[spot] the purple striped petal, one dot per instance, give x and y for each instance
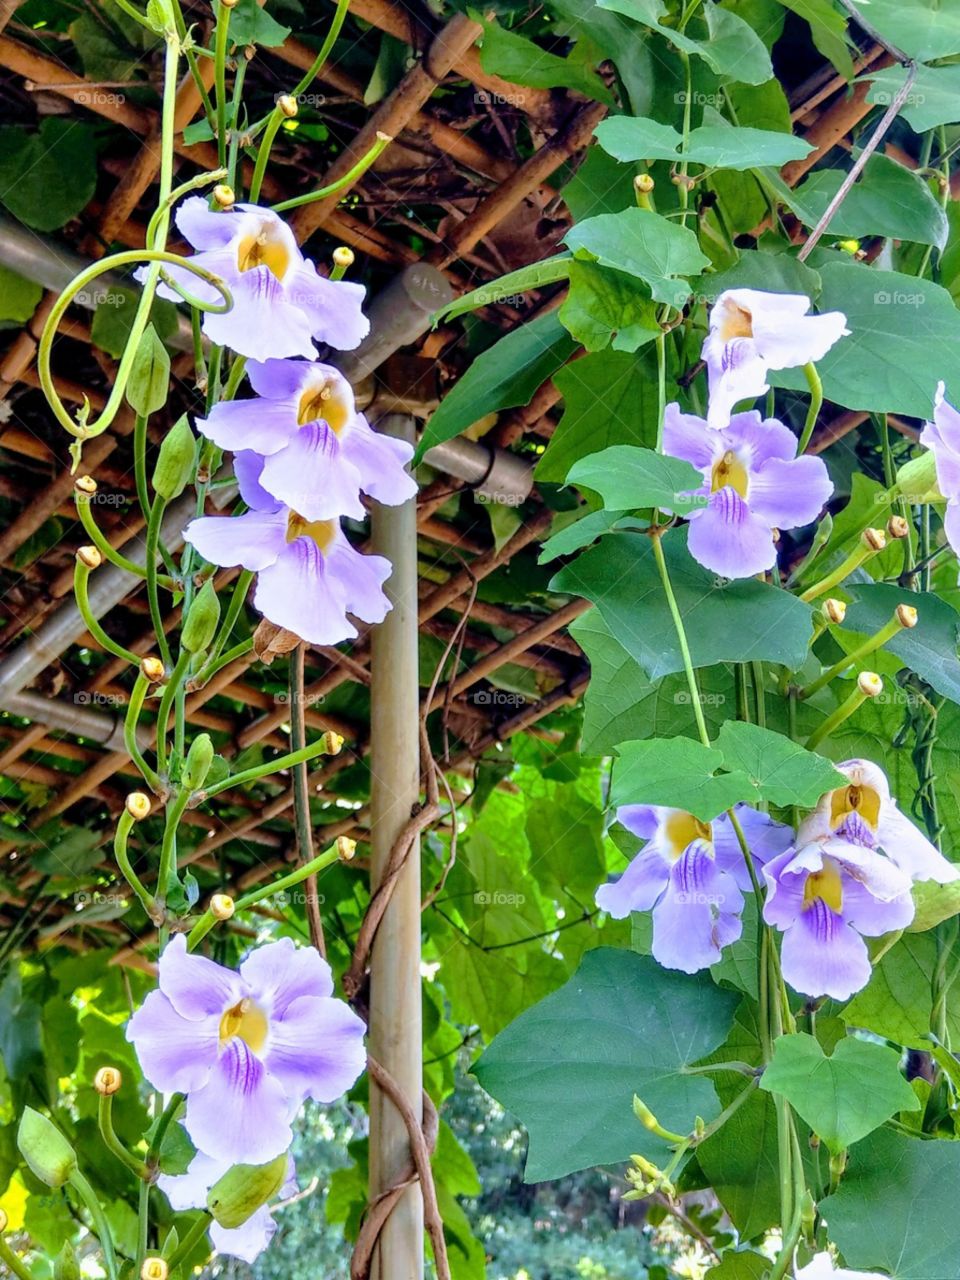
(788, 495)
(823, 956)
(298, 592)
(687, 933)
(281, 972)
(253, 540)
(263, 323)
(176, 1054)
(242, 1113)
(316, 1049)
(313, 475)
(638, 889)
(729, 540)
(261, 425)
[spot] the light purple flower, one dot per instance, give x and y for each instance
(280, 301)
(247, 1047)
(189, 1191)
(866, 814)
(826, 897)
(320, 452)
(752, 331)
(691, 874)
(753, 483)
(823, 1267)
(309, 577)
(942, 437)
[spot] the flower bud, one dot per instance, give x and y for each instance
(898, 527)
(875, 539)
(156, 1268)
(222, 906)
(332, 743)
(643, 183)
(176, 460)
(151, 668)
(65, 1265)
(224, 197)
(107, 1081)
(89, 557)
(906, 615)
(137, 804)
(229, 4)
(85, 486)
(834, 611)
(243, 1189)
(202, 620)
(48, 1154)
(849, 246)
(343, 257)
(869, 684)
(198, 762)
(346, 848)
(287, 105)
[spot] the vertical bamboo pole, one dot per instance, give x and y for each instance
(395, 997)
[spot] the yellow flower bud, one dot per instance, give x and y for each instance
(898, 527)
(85, 485)
(287, 105)
(222, 906)
(156, 1268)
(643, 183)
(89, 557)
(343, 257)
(906, 615)
(224, 196)
(137, 804)
(346, 848)
(870, 684)
(834, 611)
(875, 539)
(332, 743)
(151, 668)
(107, 1081)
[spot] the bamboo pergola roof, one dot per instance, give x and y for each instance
(470, 187)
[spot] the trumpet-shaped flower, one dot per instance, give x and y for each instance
(753, 483)
(189, 1191)
(320, 452)
(247, 1047)
(942, 437)
(691, 874)
(280, 302)
(309, 577)
(866, 814)
(822, 1267)
(826, 897)
(752, 331)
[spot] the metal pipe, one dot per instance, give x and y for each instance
(396, 1039)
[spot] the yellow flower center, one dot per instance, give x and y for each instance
(264, 248)
(729, 472)
(322, 532)
(736, 322)
(324, 402)
(246, 1020)
(682, 829)
(826, 885)
(855, 799)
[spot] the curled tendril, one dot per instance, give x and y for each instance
(81, 429)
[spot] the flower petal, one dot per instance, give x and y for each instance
(253, 540)
(638, 888)
(910, 849)
(195, 986)
(641, 819)
(765, 839)
(312, 475)
(380, 460)
(248, 467)
(823, 956)
(362, 577)
(735, 372)
(316, 1049)
(687, 932)
(189, 1190)
(263, 425)
(765, 438)
(788, 344)
(204, 227)
(176, 1054)
(242, 1113)
(788, 495)
(280, 972)
(332, 307)
(871, 917)
(688, 437)
(262, 323)
(280, 379)
(248, 1241)
(299, 593)
(728, 539)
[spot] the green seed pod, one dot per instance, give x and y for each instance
(243, 1189)
(198, 762)
(65, 1265)
(202, 620)
(47, 1152)
(176, 461)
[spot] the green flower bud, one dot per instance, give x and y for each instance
(176, 461)
(65, 1265)
(243, 1189)
(47, 1152)
(198, 762)
(917, 479)
(202, 620)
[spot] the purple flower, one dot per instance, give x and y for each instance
(189, 1191)
(752, 331)
(280, 302)
(246, 1047)
(827, 897)
(691, 874)
(866, 814)
(753, 483)
(320, 452)
(942, 436)
(309, 577)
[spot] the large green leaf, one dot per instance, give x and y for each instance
(904, 333)
(929, 648)
(724, 621)
(608, 308)
(519, 60)
(732, 48)
(643, 244)
(503, 377)
(933, 99)
(886, 200)
(896, 1207)
(568, 1068)
(923, 29)
(47, 177)
(18, 296)
(843, 1096)
(896, 1002)
(626, 477)
(677, 772)
(782, 771)
(715, 146)
(828, 28)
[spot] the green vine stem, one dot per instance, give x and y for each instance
(125, 824)
(816, 404)
(113, 1143)
(363, 164)
(16, 1265)
(904, 617)
(101, 1225)
(131, 724)
(323, 744)
(88, 559)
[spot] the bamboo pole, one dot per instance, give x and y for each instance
(395, 997)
